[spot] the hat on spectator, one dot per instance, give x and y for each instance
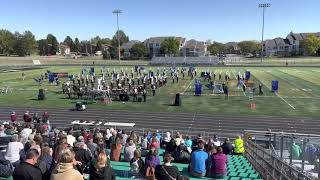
(90, 137)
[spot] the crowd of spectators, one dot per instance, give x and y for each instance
(37, 152)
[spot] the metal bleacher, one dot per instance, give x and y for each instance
(186, 60)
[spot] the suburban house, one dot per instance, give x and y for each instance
(295, 41)
(126, 47)
(64, 49)
(154, 44)
(277, 47)
(233, 48)
(194, 48)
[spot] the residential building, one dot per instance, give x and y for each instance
(194, 48)
(126, 47)
(64, 49)
(233, 48)
(154, 44)
(295, 40)
(277, 47)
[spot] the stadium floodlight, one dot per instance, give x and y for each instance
(117, 12)
(263, 6)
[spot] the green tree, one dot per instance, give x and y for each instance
(217, 48)
(54, 44)
(7, 41)
(247, 47)
(311, 44)
(42, 47)
(98, 46)
(25, 44)
(122, 37)
(68, 41)
(170, 46)
(77, 45)
(105, 41)
(139, 50)
(95, 40)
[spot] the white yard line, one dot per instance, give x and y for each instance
(191, 124)
(285, 101)
(187, 87)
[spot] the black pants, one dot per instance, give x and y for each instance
(144, 98)
(153, 92)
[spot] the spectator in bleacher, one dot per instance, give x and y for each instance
(296, 151)
(124, 137)
(112, 139)
(227, 147)
(26, 132)
(129, 150)
(134, 137)
(158, 135)
(6, 167)
(2, 131)
(107, 138)
(65, 168)
(116, 150)
(152, 159)
(144, 142)
(13, 150)
(238, 146)
(27, 117)
(137, 165)
(70, 138)
(85, 135)
(181, 155)
(149, 136)
(211, 150)
(62, 144)
(91, 145)
(171, 146)
(46, 158)
(166, 140)
(167, 171)
(219, 164)
(9, 129)
(14, 117)
(45, 118)
(216, 141)
(178, 139)
(82, 153)
(100, 170)
(154, 144)
(198, 161)
(27, 169)
(188, 144)
(311, 154)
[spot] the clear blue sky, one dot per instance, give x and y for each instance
(218, 20)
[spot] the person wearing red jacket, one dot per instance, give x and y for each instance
(27, 117)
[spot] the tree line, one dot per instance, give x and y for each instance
(24, 44)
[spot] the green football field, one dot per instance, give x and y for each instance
(298, 95)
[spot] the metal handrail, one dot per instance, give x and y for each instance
(253, 132)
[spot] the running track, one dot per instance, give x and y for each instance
(186, 123)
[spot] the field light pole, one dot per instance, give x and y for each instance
(263, 6)
(117, 12)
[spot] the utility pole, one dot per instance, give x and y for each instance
(263, 6)
(117, 12)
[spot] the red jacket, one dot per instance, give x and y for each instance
(27, 118)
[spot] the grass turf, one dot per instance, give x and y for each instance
(298, 87)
